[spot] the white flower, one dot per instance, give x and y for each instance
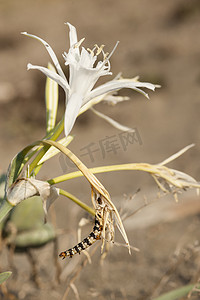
(84, 71)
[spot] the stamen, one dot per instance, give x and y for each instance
(105, 55)
(111, 53)
(91, 51)
(77, 45)
(99, 49)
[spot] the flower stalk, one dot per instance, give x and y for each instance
(78, 202)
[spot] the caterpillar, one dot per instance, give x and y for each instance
(94, 235)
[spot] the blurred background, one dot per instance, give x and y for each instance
(160, 42)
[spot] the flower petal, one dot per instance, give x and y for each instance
(72, 35)
(111, 121)
(147, 85)
(51, 53)
(72, 109)
(114, 85)
(87, 60)
(82, 80)
(63, 83)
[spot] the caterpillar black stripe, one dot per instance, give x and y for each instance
(88, 241)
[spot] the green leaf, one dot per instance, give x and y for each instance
(51, 97)
(16, 165)
(177, 293)
(28, 214)
(53, 151)
(53, 136)
(4, 276)
(36, 237)
(5, 207)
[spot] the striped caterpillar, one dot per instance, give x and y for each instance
(88, 241)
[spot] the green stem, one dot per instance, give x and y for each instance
(57, 131)
(53, 135)
(4, 209)
(97, 170)
(78, 202)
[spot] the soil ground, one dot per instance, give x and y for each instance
(160, 42)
